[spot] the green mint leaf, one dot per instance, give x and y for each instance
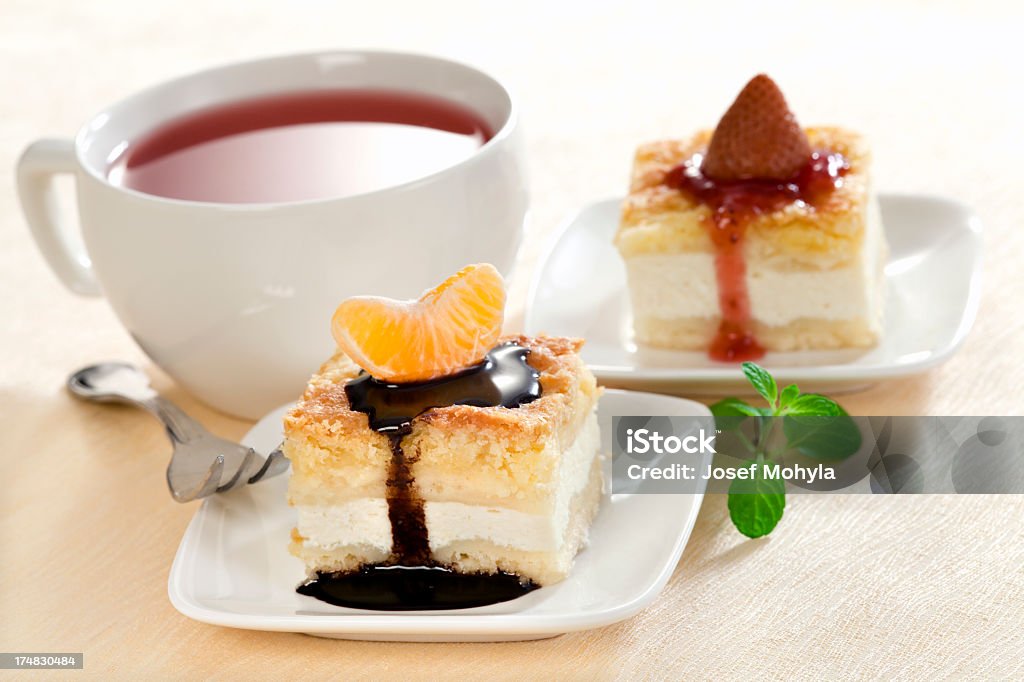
(813, 404)
(756, 504)
(762, 381)
(788, 395)
(734, 407)
(731, 413)
(825, 437)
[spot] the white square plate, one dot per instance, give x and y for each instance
(233, 567)
(933, 287)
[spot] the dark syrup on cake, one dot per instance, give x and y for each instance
(412, 581)
(414, 588)
(734, 203)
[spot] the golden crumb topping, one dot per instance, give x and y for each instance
(659, 219)
(324, 409)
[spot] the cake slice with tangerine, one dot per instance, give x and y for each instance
(456, 449)
(449, 328)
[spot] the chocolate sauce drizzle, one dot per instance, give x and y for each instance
(503, 379)
(414, 588)
(411, 579)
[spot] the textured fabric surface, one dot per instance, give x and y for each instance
(846, 587)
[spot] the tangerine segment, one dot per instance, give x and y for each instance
(449, 328)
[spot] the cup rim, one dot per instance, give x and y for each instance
(487, 149)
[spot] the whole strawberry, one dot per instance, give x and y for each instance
(758, 137)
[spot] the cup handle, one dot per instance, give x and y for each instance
(39, 163)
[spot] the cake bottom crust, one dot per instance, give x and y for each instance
(697, 333)
(343, 559)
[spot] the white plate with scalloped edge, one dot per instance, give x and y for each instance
(933, 288)
(233, 567)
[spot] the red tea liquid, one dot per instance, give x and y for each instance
(301, 146)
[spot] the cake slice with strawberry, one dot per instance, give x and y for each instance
(757, 236)
(429, 441)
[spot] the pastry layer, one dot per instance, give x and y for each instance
(543, 567)
(364, 521)
(497, 476)
(814, 275)
(697, 334)
(342, 559)
(659, 219)
(508, 525)
(460, 452)
(479, 555)
(675, 298)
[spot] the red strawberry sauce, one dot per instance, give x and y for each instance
(734, 203)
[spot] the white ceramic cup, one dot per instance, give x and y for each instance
(234, 300)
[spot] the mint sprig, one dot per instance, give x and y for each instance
(812, 424)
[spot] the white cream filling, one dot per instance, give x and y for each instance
(365, 521)
(684, 285)
(362, 521)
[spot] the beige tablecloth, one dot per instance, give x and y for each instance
(846, 586)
